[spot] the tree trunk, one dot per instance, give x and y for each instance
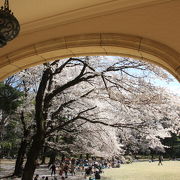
(43, 158)
(87, 156)
(80, 156)
(63, 157)
(37, 144)
(52, 157)
(40, 119)
(22, 150)
(3, 118)
(20, 159)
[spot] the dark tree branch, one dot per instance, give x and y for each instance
(68, 122)
(115, 125)
(54, 114)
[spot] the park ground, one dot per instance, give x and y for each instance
(170, 170)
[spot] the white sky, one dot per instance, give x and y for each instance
(173, 86)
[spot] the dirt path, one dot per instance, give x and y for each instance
(7, 167)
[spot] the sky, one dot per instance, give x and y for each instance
(173, 86)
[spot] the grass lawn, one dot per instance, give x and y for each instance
(144, 171)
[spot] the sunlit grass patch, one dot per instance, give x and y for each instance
(145, 171)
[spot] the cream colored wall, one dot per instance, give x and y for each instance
(143, 29)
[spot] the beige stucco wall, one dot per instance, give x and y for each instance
(143, 29)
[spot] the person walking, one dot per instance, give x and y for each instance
(160, 160)
(66, 168)
(88, 172)
(53, 169)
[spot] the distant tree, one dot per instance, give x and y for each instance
(10, 99)
(173, 146)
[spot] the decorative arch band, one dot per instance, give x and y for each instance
(91, 44)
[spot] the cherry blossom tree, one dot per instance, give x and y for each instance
(102, 102)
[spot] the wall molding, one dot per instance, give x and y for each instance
(91, 44)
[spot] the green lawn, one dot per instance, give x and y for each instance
(144, 171)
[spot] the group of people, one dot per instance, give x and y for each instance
(43, 178)
(93, 171)
(89, 169)
(160, 160)
(63, 169)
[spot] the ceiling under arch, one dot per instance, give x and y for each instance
(151, 27)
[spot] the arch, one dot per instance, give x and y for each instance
(91, 44)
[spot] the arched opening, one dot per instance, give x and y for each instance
(91, 44)
(68, 94)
